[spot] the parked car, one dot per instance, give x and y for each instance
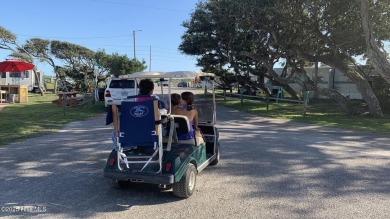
(248, 91)
(224, 86)
(65, 86)
(118, 89)
(182, 84)
(100, 89)
(163, 83)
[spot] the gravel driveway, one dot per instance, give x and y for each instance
(269, 168)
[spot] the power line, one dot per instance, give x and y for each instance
(165, 60)
(74, 38)
(135, 5)
(131, 47)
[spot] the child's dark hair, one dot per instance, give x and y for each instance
(146, 86)
(175, 99)
(189, 98)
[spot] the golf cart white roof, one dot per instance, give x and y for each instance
(172, 74)
(152, 74)
(187, 74)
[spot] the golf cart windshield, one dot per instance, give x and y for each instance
(205, 108)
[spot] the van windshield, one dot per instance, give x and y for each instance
(122, 84)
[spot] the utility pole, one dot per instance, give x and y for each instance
(150, 58)
(134, 41)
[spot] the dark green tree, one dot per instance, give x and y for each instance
(117, 64)
(296, 31)
(40, 49)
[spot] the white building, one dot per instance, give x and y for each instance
(331, 78)
(27, 78)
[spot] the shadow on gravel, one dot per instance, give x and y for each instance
(283, 159)
(62, 175)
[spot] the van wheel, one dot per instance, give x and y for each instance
(216, 160)
(186, 186)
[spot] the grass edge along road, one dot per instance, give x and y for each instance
(319, 112)
(38, 117)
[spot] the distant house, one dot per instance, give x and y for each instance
(27, 78)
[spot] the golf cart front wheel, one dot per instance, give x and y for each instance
(186, 186)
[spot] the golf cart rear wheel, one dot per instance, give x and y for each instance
(123, 184)
(164, 187)
(216, 160)
(186, 186)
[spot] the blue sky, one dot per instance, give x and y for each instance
(105, 24)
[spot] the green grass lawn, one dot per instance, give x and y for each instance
(40, 116)
(320, 112)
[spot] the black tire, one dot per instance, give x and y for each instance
(186, 186)
(123, 184)
(216, 160)
(164, 187)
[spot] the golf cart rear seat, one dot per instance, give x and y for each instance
(139, 127)
(182, 126)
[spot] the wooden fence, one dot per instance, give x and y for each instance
(266, 99)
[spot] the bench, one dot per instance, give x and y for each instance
(74, 101)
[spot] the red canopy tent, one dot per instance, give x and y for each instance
(14, 65)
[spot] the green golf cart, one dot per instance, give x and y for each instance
(146, 146)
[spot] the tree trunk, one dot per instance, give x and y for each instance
(287, 88)
(378, 58)
(316, 80)
(56, 89)
(367, 93)
(40, 85)
(361, 83)
(272, 74)
(341, 62)
(332, 94)
(365, 90)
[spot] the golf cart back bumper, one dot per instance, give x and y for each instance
(140, 177)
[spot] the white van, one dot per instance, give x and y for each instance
(118, 89)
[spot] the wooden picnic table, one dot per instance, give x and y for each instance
(68, 97)
(67, 94)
